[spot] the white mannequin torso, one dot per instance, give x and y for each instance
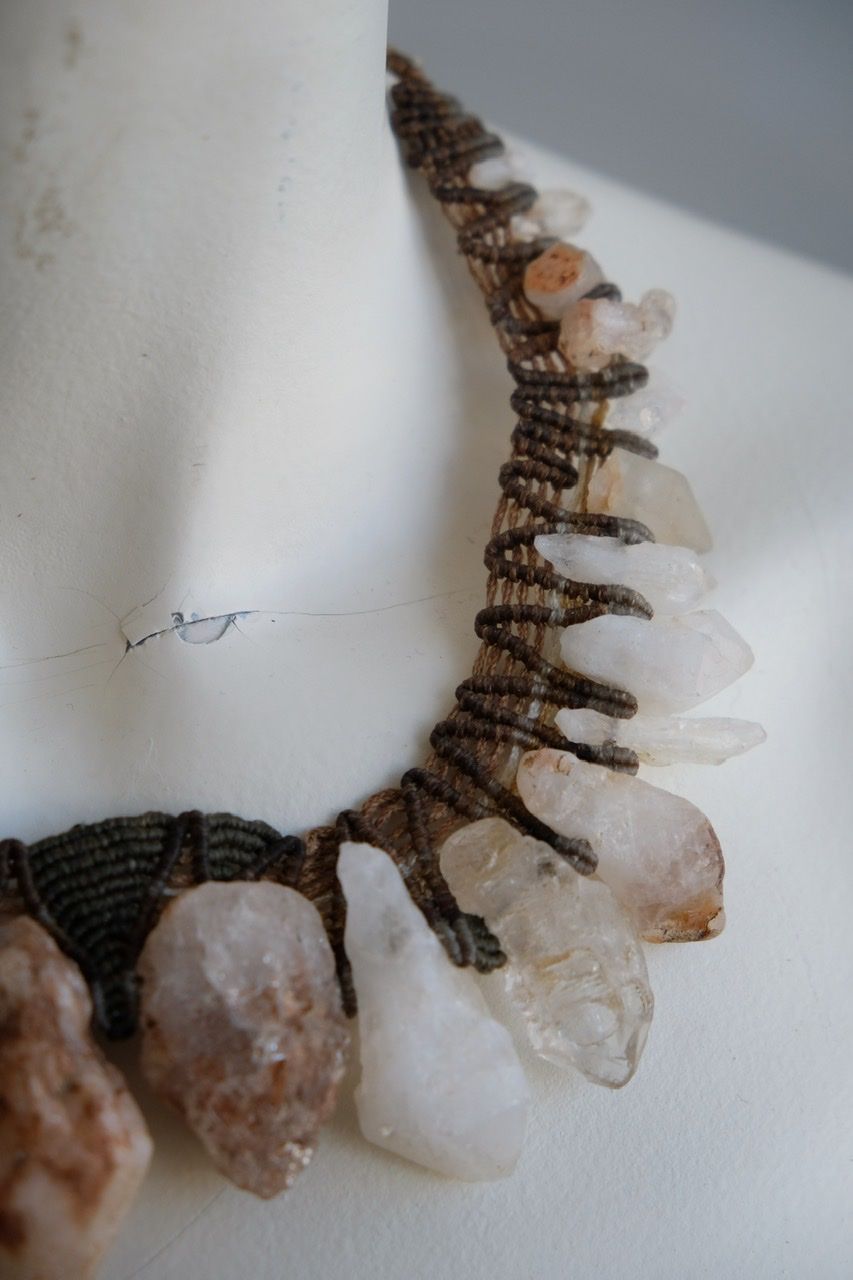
(232, 388)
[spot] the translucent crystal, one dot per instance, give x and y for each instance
(672, 579)
(669, 664)
(596, 329)
(242, 1026)
(647, 411)
(575, 965)
(656, 851)
(554, 213)
(441, 1083)
(496, 172)
(73, 1145)
(559, 277)
(664, 740)
(660, 497)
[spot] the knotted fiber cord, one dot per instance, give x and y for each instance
(99, 888)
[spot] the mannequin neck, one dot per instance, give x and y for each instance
(235, 391)
(222, 174)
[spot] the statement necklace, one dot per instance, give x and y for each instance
(525, 841)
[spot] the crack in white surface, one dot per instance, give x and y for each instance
(194, 630)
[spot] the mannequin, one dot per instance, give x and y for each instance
(231, 371)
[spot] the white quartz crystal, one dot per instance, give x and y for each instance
(242, 1028)
(596, 329)
(627, 485)
(554, 213)
(672, 579)
(656, 851)
(74, 1147)
(441, 1083)
(661, 740)
(647, 411)
(561, 275)
(575, 964)
(496, 172)
(669, 664)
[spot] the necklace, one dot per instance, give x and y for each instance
(249, 945)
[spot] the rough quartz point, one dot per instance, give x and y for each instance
(242, 1029)
(441, 1083)
(496, 172)
(647, 411)
(669, 664)
(553, 213)
(661, 740)
(672, 579)
(73, 1145)
(627, 485)
(596, 329)
(575, 964)
(656, 851)
(559, 277)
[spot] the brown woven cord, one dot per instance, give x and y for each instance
(99, 887)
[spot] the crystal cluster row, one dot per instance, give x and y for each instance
(242, 1027)
(576, 968)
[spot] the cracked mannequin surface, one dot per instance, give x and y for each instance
(253, 415)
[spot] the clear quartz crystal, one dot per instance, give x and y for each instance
(662, 740)
(647, 411)
(672, 579)
(561, 275)
(74, 1147)
(669, 664)
(596, 329)
(575, 964)
(656, 851)
(553, 213)
(441, 1083)
(242, 1028)
(496, 172)
(660, 497)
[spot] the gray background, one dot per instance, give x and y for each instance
(741, 110)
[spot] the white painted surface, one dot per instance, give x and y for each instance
(731, 1153)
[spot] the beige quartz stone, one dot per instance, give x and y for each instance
(242, 1026)
(73, 1145)
(559, 277)
(575, 966)
(441, 1083)
(662, 740)
(661, 497)
(657, 851)
(596, 329)
(553, 213)
(670, 664)
(672, 579)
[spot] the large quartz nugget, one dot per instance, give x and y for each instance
(657, 851)
(670, 664)
(242, 1029)
(441, 1083)
(73, 1145)
(575, 964)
